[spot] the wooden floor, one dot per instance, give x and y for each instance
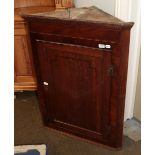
(30, 130)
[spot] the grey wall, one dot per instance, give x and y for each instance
(137, 106)
(106, 5)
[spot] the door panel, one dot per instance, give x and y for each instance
(24, 78)
(71, 78)
(77, 93)
(22, 60)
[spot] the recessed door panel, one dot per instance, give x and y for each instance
(78, 87)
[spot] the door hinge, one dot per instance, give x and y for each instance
(111, 70)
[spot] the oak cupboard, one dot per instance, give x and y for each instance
(24, 75)
(81, 61)
(24, 79)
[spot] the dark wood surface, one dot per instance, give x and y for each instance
(83, 96)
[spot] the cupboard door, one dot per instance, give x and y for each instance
(76, 84)
(24, 79)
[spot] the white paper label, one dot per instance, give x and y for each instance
(108, 46)
(104, 46)
(101, 45)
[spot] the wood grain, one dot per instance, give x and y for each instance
(23, 67)
(28, 3)
(59, 4)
